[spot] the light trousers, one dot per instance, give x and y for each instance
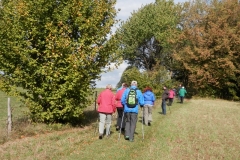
(105, 119)
(147, 113)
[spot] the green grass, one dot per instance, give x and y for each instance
(197, 129)
(4, 106)
(17, 113)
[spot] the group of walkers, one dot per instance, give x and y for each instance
(168, 95)
(126, 102)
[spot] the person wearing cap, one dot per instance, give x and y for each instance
(131, 113)
(164, 99)
(106, 107)
(182, 93)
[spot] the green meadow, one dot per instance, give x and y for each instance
(197, 129)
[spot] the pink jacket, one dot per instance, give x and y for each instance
(118, 98)
(171, 94)
(106, 102)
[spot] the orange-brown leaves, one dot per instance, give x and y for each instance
(208, 46)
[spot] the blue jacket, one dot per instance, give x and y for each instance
(140, 100)
(149, 98)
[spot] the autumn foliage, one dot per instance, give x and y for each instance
(208, 47)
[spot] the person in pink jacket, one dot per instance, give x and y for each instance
(121, 117)
(106, 107)
(171, 96)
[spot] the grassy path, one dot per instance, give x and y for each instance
(197, 129)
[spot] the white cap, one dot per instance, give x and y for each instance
(134, 83)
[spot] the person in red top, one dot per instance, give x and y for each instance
(171, 96)
(106, 106)
(121, 117)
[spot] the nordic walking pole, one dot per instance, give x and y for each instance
(121, 126)
(142, 125)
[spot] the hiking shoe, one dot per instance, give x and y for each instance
(131, 140)
(100, 136)
(149, 124)
(126, 137)
(117, 129)
(123, 129)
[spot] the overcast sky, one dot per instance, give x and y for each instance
(127, 7)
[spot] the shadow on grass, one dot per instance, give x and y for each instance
(24, 127)
(89, 117)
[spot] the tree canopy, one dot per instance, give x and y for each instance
(55, 50)
(143, 38)
(197, 41)
(208, 47)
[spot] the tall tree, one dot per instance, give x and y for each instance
(143, 38)
(208, 48)
(54, 50)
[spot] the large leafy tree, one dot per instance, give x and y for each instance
(54, 50)
(143, 38)
(144, 43)
(208, 47)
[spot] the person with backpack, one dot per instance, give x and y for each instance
(132, 97)
(165, 95)
(171, 96)
(182, 93)
(119, 106)
(149, 99)
(106, 107)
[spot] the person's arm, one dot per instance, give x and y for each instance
(113, 103)
(123, 99)
(167, 94)
(140, 98)
(117, 96)
(153, 97)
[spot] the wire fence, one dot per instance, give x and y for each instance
(4, 122)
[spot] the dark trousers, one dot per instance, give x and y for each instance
(164, 106)
(170, 101)
(131, 121)
(181, 99)
(121, 118)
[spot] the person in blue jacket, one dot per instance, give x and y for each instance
(131, 112)
(149, 99)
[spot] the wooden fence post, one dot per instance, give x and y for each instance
(9, 117)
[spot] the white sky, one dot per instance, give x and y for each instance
(127, 7)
